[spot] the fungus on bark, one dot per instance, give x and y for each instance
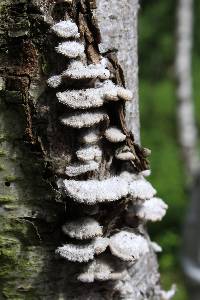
(128, 246)
(114, 135)
(94, 191)
(77, 169)
(70, 49)
(101, 269)
(153, 210)
(66, 29)
(84, 228)
(83, 252)
(83, 119)
(91, 84)
(89, 153)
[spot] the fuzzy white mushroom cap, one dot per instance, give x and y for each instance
(152, 210)
(71, 49)
(128, 246)
(141, 189)
(76, 253)
(125, 155)
(100, 244)
(83, 253)
(100, 270)
(93, 191)
(84, 228)
(86, 119)
(78, 169)
(77, 70)
(66, 29)
(157, 248)
(125, 94)
(114, 135)
(113, 92)
(112, 189)
(81, 99)
(91, 136)
(54, 81)
(89, 153)
(145, 173)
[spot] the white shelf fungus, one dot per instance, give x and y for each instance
(84, 228)
(128, 246)
(81, 99)
(125, 245)
(83, 253)
(89, 153)
(70, 49)
(93, 191)
(113, 92)
(91, 137)
(157, 248)
(66, 29)
(100, 270)
(77, 70)
(54, 81)
(78, 169)
(141, 189)
(146, 173)
(152, 210)
(112, 189)
(114, 135)
(124, 153)
(86, 119)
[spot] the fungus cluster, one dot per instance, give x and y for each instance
(85, 110)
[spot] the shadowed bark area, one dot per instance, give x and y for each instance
(34, 147)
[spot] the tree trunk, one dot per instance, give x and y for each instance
(36, 148)
(185, 107)
(188, 138)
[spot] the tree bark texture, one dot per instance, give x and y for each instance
(188, 137)
(34, 148)
(185, 107)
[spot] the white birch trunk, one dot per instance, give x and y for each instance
(188, 138)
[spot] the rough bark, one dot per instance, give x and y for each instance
(188, 137)
(34, 150)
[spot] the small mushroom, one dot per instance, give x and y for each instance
(94, 191)
(86, 119)
(83, 253)
(84, 228)
(100, 269)
(78, 169)
(124, 153)
(152, 210)
(66, 29)
(128, 246)
(89, 153)
(114, 135)
(71, 49)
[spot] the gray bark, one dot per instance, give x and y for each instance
(31, 210)
(185, 107)
(121, 22)
(188, 138)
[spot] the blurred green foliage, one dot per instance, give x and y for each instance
(157, 38)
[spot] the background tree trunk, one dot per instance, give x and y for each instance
(188, 138)
(31, 219)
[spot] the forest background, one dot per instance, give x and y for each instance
(157, 48)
